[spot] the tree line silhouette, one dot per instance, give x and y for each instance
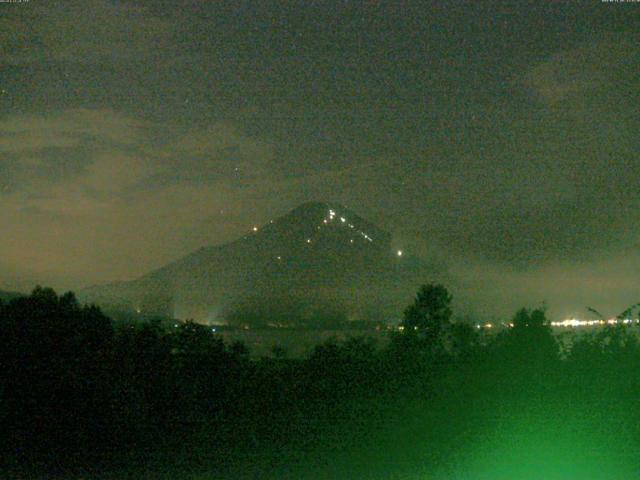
(79, 394)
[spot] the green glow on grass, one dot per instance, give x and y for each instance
(549, 446)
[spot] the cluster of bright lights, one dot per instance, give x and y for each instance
(574, 322)
(571, 322)
(486, 325)
(333, 216)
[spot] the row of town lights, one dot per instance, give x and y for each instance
(574, 322)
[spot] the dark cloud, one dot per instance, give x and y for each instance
(502, 141)
(574, 75)
(88, 31)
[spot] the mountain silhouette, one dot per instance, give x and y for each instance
(320, 263)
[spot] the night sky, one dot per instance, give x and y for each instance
(499, 140)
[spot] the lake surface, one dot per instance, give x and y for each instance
(296, 343)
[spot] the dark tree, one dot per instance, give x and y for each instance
(463, 339)
(525, 318)
(430, 313)
(531, 340)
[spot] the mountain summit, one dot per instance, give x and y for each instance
(321, 262)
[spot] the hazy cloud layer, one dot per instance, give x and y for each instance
(132, 133)
(77, 184)
(87, 31)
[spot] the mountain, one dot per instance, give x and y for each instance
(319, 263)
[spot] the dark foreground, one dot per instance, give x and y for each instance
(82, 400)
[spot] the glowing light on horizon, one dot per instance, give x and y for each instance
(575, 322)
(484, 325)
